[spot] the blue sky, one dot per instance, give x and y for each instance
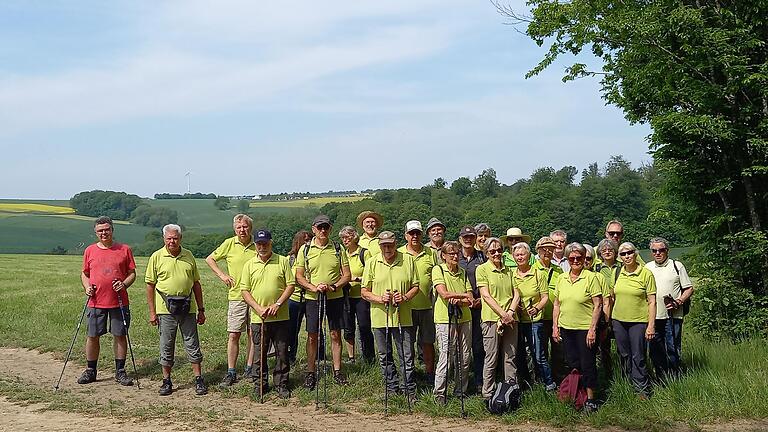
(266, 97)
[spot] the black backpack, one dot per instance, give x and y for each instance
(505, 398)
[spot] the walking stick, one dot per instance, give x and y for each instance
(71, 345)
(262, 359)
(323, 297)
(386, 339)
(320, 342)
(128, 336)
(459, 358)
(402, 357)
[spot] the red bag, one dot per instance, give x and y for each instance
(571, 390)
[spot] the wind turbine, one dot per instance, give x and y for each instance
(188, 175)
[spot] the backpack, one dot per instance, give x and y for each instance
(336, 246)
(571, 390)
(687, 303)
(505, 398)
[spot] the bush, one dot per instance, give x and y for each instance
(117, 205)
(222, 203)
(154, 216)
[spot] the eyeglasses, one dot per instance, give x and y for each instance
(575, 259)
(627, 253)
(495, 251)
(451, 253)
(588, 258)
(658, 251)
(615, 233)
(323, 227)
(105, 230)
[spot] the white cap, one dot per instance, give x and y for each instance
(413, 225)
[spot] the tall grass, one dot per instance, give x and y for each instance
(41, 300)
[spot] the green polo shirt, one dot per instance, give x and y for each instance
(510, 262)
(172, 276)
(552, 274)
(575, 299)
(631, 293)
(499, 284)
(370, 243)
(236, 255)
(356, 268)
(532, 286)
(425, 261)
(609, 273)
(266, 282)
(324, 267)
(456, 283)
(380, 277)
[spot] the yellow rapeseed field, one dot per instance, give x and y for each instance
(34, 208)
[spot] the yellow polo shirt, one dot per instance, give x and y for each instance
(425, 261)
(531, 286)
(370, 243)
(499, 284)
(456, 283)
(400, 276)
(576, 300)
(266, 282)
(555, 271)
(172, 276)
(324, 267)
(356, 268)
(236, 255)
(631, 293)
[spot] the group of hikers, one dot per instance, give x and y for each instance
(493, 309)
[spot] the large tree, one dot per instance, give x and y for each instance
(697, 72)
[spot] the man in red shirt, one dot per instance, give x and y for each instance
(108, 269)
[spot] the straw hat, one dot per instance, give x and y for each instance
(516, 232)
(372, 214)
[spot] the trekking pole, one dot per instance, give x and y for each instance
(77, 330)
(262, 359)
(386, 339)
(320, 340)
(128, 336)
(459, 359)
(402, 356)
(324, 297)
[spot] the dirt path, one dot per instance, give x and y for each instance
(73, 408)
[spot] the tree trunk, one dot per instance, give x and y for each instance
(754, 214)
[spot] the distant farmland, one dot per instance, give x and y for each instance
(316, 201)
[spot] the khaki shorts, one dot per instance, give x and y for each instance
(424, 322)
(238, 317)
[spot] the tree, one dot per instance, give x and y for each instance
(117, 205)
(222, 203)
(154, 216)
(696, 71)
(439, 183)
(243, 206)
(462, 186)
(486, 183)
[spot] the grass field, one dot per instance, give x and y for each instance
(723, 381)
(319, 202)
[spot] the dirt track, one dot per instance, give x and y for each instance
(210, 412)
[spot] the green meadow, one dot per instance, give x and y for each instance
(723, 381)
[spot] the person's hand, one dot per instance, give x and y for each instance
(454, 301)
(476, 303)
(508, 318)
(386, 297)
(321, 287)
(532, 311)
(650, 332)
(227, 279)
(200, 317)
(153, 319)
(272, 310)
(398, 298)
(556, 335)
(591, 337)
(118, 285)
(90, 290)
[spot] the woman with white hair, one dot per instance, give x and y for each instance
(634, 317)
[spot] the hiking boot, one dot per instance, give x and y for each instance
(339, 378)
(310, 381)
(551, 387)
(248, 372)
(166, 388)
(88, 376)
(283, 392)
(440, 400)
(228, 381)
(200, 387)
(591, 406)
(122, 377)
(257, 391)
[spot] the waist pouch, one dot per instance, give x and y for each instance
(177, 305)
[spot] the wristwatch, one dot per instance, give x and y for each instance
(333, 286)
(278, 303)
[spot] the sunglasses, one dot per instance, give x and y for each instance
(494, 251)
(577, 259)
(627, 253)
(655, 251)
(588, 259)
(323, 227)
(615, 233)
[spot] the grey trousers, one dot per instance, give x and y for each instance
(404, 343)
(279, 334)
(632, 346)
(187, 324)
(493, 343)
(446, 342)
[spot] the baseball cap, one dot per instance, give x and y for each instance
(321, 219)
(467, 230)
(413, 225)
(386, 237)
(262, 236)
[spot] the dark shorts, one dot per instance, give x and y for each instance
(334, 314)
(98, 318)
